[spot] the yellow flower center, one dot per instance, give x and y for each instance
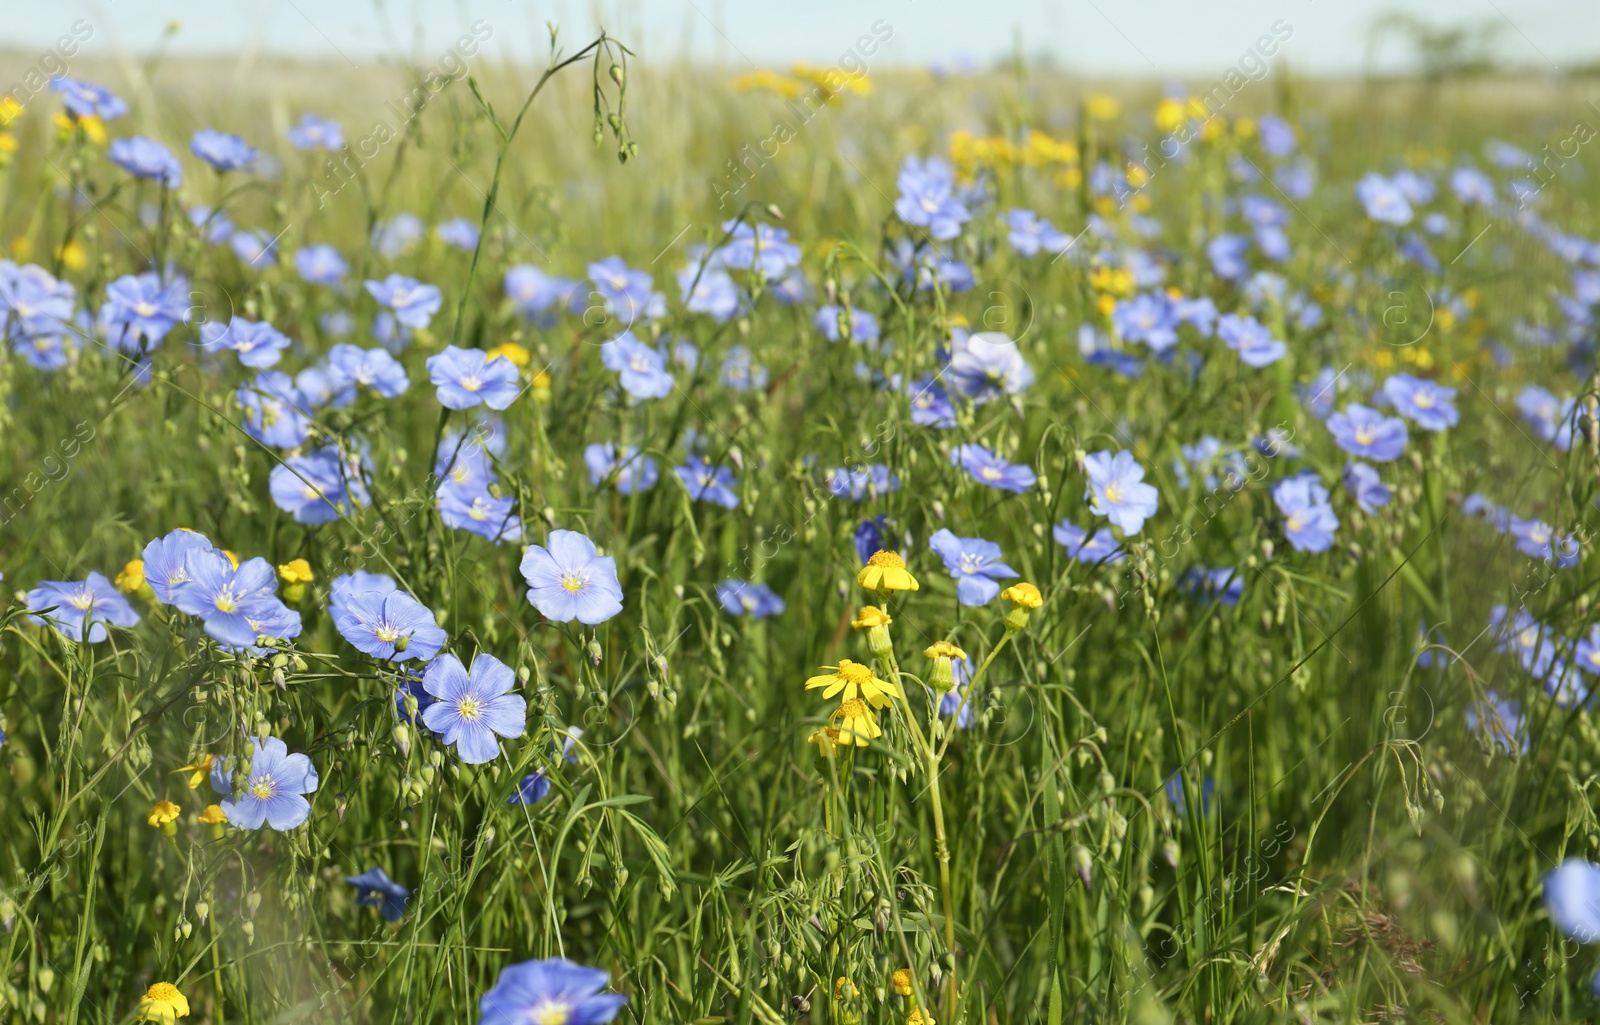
(144, 309)
(471, 383)
(1423, 400)
(470, 709)
(887, 559)
(572, 582)
(81, 600)
(552, 1012)
(386, 633)
(1297, 522)
(854, 672)
(989, 473)
(854, 708)
(1363, 435)
(226, 602)
(1113, 493)
(162, 991)
(264, 787)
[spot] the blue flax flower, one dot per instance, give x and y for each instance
(258, 343)
(551, 991)
(1087, 548)
(140, 310)
(93, 603)
(535, 786)
(930, 405)
(1363, 431)
(399, 233)
(1227, 255)
(359, 582)
(317, 486)
(1251, 339)
(476, 510)
(1224, 584)
(165, 559)
(643, 370)
(740, 597)
(1365, 486)
(1501, 720)
(1029, 233)
(537, 294)
(761, 246)
(707, 483)
(974, 563)
(927, 198)
(470, 708)
(372, 369)
(374, 889)
(274, 793)
(570, 579)
(86, 99)
(1147, 318)
(990, 470)
(314, 132)
(459, 232)
(987, 365)
(389, 625)
(836, 322)
(1385, 201)
(859, 483)
(146, 158)
(1572, 896)
(467, 377)
(413, 303)
(32, 301)
(1116, 485)
(1428, 405)
(629, 472)
(255, 247)
(321, 264)
(230, 601)
(627, 293)
(740, 371)
(222, 150)
(1308, 519)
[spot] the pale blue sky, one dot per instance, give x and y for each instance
(1191, 37)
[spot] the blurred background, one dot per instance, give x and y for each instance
(1120, 37)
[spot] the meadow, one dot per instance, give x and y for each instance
(843, 544)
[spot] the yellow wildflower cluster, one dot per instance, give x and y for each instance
(833, 83)
(971, 152)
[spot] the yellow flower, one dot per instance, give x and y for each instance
(944, 649)
(1023, 594)
(231, 558)
(844, 989)
(886, 571)
(296, 571)
(901, 980)
(1102, 107)
(73, 255)
(163, 813)
(10, 110)
(132, 576)
(857, 724)
(198, 770)
(919, 1017)
(8, 142)
(163, 1003)
(92, 127)
(1106, 304)
(541, 381)
(855, 680)
(771, 80)
(213, 815)
(1169, 114)
(827, 741)
(511, 351)
(21, 247)
(870, 616)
